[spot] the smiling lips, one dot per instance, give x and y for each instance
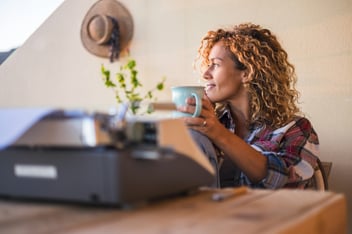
(209, 86)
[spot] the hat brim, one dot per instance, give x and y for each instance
(115, 10)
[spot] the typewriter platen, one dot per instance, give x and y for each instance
(102, 158)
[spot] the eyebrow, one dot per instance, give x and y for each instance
(217, 58)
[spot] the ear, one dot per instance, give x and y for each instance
(245, 77)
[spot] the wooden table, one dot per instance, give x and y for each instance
(256, 211)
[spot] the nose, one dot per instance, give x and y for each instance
(207, 75)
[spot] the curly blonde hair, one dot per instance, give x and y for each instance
(273, 97)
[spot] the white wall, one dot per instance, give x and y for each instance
(53, 69)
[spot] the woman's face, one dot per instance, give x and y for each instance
(223, 79)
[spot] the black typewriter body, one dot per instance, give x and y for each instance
(96, 159)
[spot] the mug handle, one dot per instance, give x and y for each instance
(198, 105)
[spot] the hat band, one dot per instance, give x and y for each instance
(114, 40)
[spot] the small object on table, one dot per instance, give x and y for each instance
(228, 193)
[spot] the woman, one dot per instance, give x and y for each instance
(250, 114)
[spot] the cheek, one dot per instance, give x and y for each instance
(230, 88)
(224, 90)
(229, 81)
(227, 86)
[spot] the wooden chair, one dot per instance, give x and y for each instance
(319, 181)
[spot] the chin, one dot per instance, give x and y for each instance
(211, 97)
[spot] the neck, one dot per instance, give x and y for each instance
(240, 114)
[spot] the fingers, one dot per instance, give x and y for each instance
(207, 111)
(200, 124)
(187, 109)
(195, 121)
(206, 104)
(206, 122)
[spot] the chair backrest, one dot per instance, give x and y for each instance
(319, 181)
(327, 167)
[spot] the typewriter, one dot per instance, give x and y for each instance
(102, 158)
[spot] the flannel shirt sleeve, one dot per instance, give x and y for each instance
(291, 153)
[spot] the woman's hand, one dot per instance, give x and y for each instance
(250, 161)
(207, 120)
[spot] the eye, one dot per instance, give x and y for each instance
(216, 64)
(213, 64)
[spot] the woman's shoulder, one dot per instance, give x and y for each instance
(302, 122)
(299, 125)
(305, 127)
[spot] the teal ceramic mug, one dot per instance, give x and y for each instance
(181, 93)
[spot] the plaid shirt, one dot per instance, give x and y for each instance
(291, 150)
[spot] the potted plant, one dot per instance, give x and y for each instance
(127, 87)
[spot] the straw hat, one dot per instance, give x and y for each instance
(98, 28)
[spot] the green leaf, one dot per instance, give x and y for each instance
(160, 86)
(149, 94)
(120, 77)
(130, 64)
(108, 83)
(105, 73)
(135, 97)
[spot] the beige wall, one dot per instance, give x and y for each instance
(53, 69)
